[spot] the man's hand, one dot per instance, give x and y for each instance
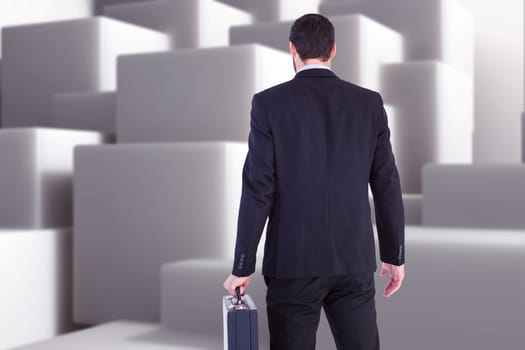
(234, 281)
(397, 273)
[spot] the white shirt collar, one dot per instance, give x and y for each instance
(312, 66)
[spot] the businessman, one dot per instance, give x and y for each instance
(315, 143)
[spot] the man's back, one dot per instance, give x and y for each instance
(324, 131)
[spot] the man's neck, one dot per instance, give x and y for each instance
(312, 61)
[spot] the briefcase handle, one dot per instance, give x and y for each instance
(238, 293)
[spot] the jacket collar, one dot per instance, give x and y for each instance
(316, 72)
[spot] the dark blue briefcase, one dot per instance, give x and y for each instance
(239, 322)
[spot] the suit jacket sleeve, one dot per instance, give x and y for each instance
(258, 183)
(386, 190)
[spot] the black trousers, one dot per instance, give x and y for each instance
(294, 309)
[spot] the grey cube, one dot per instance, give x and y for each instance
(37, 173)
(275, 10)
(434, 116)
(31, 11)
(194, 95)
(474, 195)
(189, 23)
(93, 111)
(138, 206)
(40, 60)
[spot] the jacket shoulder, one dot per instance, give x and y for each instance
(370, 97)
(275, 90)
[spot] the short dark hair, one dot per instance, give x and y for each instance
(313, 36)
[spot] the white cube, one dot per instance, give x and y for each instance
(31, 11)
(434, 112)
(35, 296)
(66, 56)
(162, 97)
(85, 111)
(474, 195)
(36, 175)
(189, 23)
(433, 29)
(275, 10)
(138, 206)
(363, 45)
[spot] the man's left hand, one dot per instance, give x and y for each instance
(233, 282)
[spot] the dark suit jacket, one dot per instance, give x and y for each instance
(315, 143)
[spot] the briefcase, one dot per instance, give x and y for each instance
(239, 322)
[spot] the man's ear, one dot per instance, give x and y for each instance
(293, 50)
(334, 49)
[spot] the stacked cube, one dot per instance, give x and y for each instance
(275, 10)
(189, 23)
(85, 111)
(36, 178)
(432, 94)
(35, 231)
(432, 91)
(169, 188)
(29, 12)
(65, 56)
